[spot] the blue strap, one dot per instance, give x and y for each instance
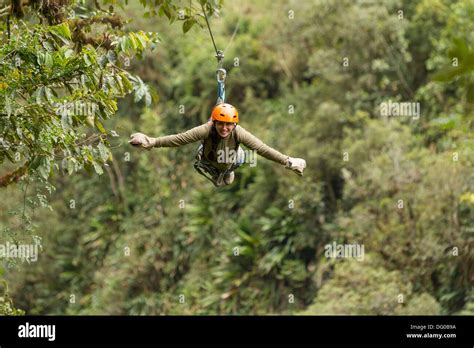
(220, 92)
(221, 75)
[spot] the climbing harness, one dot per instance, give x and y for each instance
(207, 170)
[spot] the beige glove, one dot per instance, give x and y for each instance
(142, 140)
(296, 164)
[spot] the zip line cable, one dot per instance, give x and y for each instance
(210, 31)
(221, 72)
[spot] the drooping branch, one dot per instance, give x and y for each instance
(14, 176)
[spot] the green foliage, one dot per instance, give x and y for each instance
(56, 92)
(186, 11)
(6, 303)
(469, 307)
(366, 288)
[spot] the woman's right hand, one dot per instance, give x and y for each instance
(142, 140)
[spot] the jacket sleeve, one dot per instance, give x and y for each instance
(194, 134)
(253, 143)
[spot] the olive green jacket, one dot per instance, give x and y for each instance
(206, 132)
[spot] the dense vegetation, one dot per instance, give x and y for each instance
(145, 234)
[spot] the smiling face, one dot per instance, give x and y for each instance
(224, 128)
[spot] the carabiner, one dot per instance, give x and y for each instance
(221, 75)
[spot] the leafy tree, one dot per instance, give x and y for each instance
(59, 84)
(6, 303)
(366, 288)
(62, 78)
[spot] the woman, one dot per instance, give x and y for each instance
(220, 136)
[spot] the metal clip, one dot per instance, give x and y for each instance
(221, 75)
(220, 56)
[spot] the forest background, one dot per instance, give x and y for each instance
(121, 230)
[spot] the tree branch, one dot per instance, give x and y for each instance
(113, 185)
(14, 176)
(4, 11)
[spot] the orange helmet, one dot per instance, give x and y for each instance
(225, 113)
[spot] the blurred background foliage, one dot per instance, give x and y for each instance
(150, 236)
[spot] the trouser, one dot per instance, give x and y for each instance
(216, 175)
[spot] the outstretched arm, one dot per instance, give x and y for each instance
(253, 143)
(190, 136)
